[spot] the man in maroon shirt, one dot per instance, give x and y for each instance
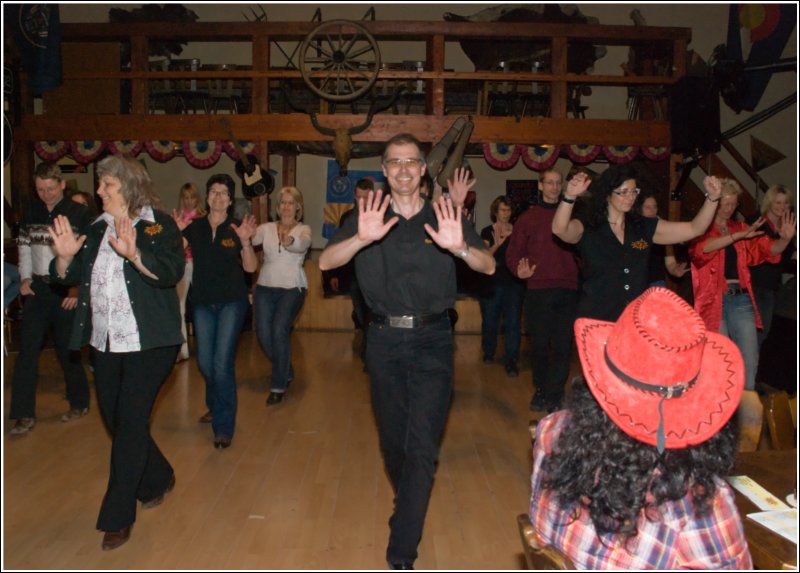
(551, 270)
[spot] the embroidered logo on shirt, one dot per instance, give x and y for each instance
(640, 245)
(153, 229)
(228, 243)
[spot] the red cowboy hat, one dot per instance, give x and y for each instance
(658, 374)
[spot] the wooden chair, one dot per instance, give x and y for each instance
(538, 556)
(780, 425)
(751, 421)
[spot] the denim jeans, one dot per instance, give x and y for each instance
(550, 314)
(276, 310)
(127, 386)
(765, 299)
(217, 328)
(411, 372)
(506, 301)
(739, 324)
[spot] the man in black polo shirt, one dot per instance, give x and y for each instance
(46, 305)
(404, 248)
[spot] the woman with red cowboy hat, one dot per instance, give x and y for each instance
(630, 475)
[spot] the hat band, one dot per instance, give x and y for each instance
(666, 392)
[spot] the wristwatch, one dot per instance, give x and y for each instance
(463, 254)
(710, 199)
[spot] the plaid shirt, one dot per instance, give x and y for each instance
(677, 539)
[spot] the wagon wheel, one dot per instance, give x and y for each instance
(340, 60)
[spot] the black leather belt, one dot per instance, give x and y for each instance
(731, 291)
(44, 278)
(408, 320)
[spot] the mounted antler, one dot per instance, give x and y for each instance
(342, 137)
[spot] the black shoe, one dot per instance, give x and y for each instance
(275, 398)
(402, 566)
(539, 403)
(512, 371)
(488, 359)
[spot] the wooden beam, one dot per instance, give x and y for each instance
(297, 127)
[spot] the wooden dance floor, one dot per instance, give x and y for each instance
(302, 486)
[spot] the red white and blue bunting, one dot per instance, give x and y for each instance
(161, 150)
(249, 147)
(582, 153)
(620, 153)
(655, 153)
(128, 147)
(51, 150)
(202, 154)
(87, 150)
(501, 155)
(540, 157)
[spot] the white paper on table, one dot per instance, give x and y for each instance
(756, 493)
(783, 522)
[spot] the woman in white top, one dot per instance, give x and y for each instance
(282, 286)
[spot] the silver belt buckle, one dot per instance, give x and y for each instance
(404, 321)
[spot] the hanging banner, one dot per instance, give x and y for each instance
(340, 193)
(502, 155)
(249, 147)
(86, 150)
(540, 157)
(655, 153)
(51, 150)
(620, 153)
(202, 154)
(128, 147)
(161, 150)
(582, 152)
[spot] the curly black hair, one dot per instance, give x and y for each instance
(601, 190)
(597, 467)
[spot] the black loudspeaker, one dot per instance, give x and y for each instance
(694, 116)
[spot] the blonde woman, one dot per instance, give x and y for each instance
(190, 207)
(766, 277)
(723, 294)
(282, 286)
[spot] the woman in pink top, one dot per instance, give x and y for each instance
(189, 209)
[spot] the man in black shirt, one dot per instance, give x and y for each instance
(46, 305)
(404, 248)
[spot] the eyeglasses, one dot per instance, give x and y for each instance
(397, 163)
(627, 192)
(217, 192)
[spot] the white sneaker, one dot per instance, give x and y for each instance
(74, 414)
(23, 426)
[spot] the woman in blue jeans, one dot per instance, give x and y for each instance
(504, 292)
(282, 286)
(222, 253)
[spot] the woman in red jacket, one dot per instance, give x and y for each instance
(720, 258)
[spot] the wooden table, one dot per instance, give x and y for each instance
(776, 471)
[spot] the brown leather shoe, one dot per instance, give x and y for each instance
(222, 442)
(206, 418)
(113, 539)
(158, 500)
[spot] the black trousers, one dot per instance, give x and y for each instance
(127, 387)
(41, 312)
(550, 314)
(412, 383)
